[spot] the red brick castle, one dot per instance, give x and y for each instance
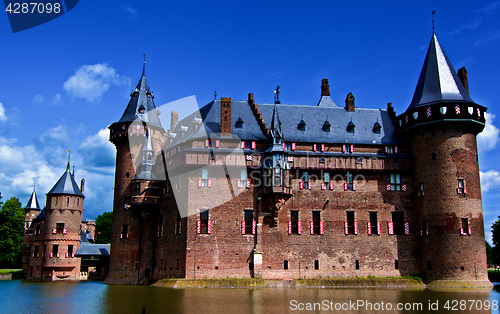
(242, 189)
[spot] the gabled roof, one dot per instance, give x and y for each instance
(438, 80)
(141, 105)
(66, 185)
(33, 202)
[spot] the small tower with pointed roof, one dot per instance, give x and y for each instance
(441, 124)
(30, 212)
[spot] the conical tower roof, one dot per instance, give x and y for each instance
(33, 201)
(145, 168)
(66, 185)
(141, 105)
(438, 82)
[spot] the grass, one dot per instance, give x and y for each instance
(10, 271)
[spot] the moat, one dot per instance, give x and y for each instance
(21, 296)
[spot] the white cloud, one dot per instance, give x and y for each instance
(56, 99)
(490, 8)
(3, 117)
(489, 180)
(129, 10)
(90, 82)
(38, 99)
(488, 139)
(98, 154)
(469, 26)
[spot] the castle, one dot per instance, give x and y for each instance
(247, 190)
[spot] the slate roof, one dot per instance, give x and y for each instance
(141, 98)
(438, 80)
(87, 248)
(290, 116)
(33, 201)
(66, 185)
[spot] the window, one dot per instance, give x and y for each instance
(249, 223)
(285, 264)
(396, 264)
(293, 227)
(373, 227)
(55, 250)
(243, 179)
(327, 182)
(349, 184)
(421, 189)
(67, 201)
(395, 182)
(317, 224)
(305, 180)
(204, 222)
(326, 126)
(377, 128)
(35, 254)
(461, 187)
(124, 234)
(433, 156)
(277, 176)
(399, 223)
(70, 250)
(204, 177)
(351, 226)
(137, 188)
(178, 224)
(316, 264)
(348, 148)
(391, 150)
(322, 160)
(350, 127)
(424, 230)
(268, 177)
(38, 231)
(357, 264)
(288, 146)
(160, 226)
(239, 123)
(59, 227)
(465, 230)
(302, 125)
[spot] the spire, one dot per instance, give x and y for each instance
(144, 65)
(66, 184)
(144, 171)
(438, 80)
(33, 201)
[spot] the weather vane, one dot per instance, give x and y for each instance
(433, 12)
(143, 64)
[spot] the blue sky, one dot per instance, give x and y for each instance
(65, 81)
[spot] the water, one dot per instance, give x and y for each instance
(18, 297)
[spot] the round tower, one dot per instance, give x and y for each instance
(441, 124)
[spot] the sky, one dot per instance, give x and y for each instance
(64, 82)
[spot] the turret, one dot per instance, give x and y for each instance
(30, 212)
(441, 125)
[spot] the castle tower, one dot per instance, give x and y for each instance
(441, 124)
(140, 119)
(30, 211)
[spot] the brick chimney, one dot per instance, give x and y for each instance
(462, 75)
(225, 116)
(82, 185)
(325, 88)
(349, 102)
(174, 118)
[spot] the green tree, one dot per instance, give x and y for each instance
(495, 232)
(11, 233)
(103, 227)
(489, 253)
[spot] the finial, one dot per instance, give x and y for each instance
(67, 167)
(277, 96)
(215, 94)
(144, 64)
(433, 12)
(73, 171)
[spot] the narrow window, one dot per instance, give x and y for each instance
(124, 234)
(350, 222)
(461, 186)
(390, 149)
(421, 189)
(243, 178)
(316, 264)
(55, 250)
(373, 223)
(396, 264)
(277, 176)
(399, 224)
(127, 174)
(295, 221)
(36, 250)
(204, 222)
(429, 265)
(67, 203)
(285, 264)
(204, 177)
(59, 227)
(178, 223)
(38, 229)
(395, 182)
(137, 188)
(433, 156)
(326, 180)
(424, 227)
(70, 250)
(465, 226)
(288, 146)
(248, 221)
(350, 185)
(305, 179)
(316, 218)
(357, 264)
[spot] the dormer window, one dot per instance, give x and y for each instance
(377, 128)
(302, 125)
(141, 109)
(239, 123)
(350, 127)
(326, 126)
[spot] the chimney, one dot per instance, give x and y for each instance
(462, 75)
(82, 185)
(251, 101)
(225, 116)
(325, 88)
(174, 118)
(349, 102)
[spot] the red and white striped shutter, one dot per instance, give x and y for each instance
(294, 146)
(470, 231)
(388, 187)
(462, 231)
(310, 185)
(289, 227)
(354, 186)
(54, 231)
(254, 145)
(180, 227)
(355, 227)
(254, 226)
(396, 150)
(390, 224)
(331, 185)
(378, 227)
(66, 255)
(198, 226)
(207, 143)
(161, 231)
(314, 147)
(346, 227)
(457, 109)
(312, 227)
(369, 227)
(345, 186)
(404, 188)
(465, 190)
(209, 183)
(175, 228)
(300, 227)
(199, 183)
(243, 227)
(121, 237)
(209, 227)
(239, 183)
(407, 227)
(72, 254)
(248, 183)
(343, 148)
(421, 232)
(65, 230)
(51, 254)
(158, 232)
(126, 235)
(301, 185)
(387, 149)
(352, 148)
(322, 185)
(322, 147)
(242, 144)
(217, 143)
(58, 254)
(426, 231)
(283, 145)
(321, 227)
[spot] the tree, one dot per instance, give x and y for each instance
(103, 227)
(11, 233)
(489, 253)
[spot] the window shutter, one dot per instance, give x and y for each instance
(254, 145)
(346, 227)
(199, 183)
(354, 186)
(457, 109)
(289, 227)
(175, 228)
(321, 228)
(293, 146)
(352, 148)
(242, 144)
(65, 230)
(54, 231)
(254, 226)
(243, 227)
(180, 228)
(209, 183)
(396, 150)
(369, 227)
(126, 235)
(459, 191)
(310, 185)
(58, 254)
(312, 227)
(343, 148)
(355, 227)
(314, 147)
(198, 226)
(209, 227)
(283, 145)
(322, 185)
(378, 227)
(72, 254)
(470, 231)
(465, 190)
(207, 143)
(331, 185)
(322, 147)
(217, 143)
(403, 188)
(407, 227)
(426, 231)
(158, 232)
(121, 237)
(301, 185)
(290, 158)
(239, 183)
(300, 227)
(51, 254)
(387, 149)
(390, 224)
(66, 255)
(248, 183)
(345, 186)
(388, 187)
